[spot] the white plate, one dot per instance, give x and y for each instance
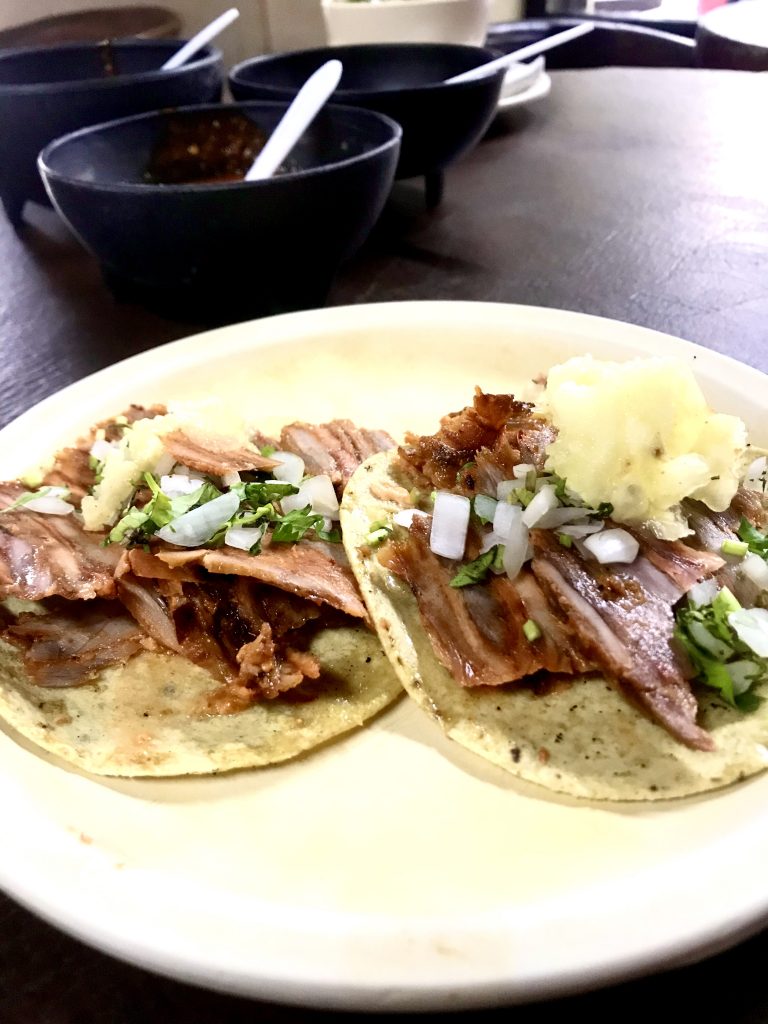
(392, 869)
(537, 91)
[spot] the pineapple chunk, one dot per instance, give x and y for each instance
(641, 436)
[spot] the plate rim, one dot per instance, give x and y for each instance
(745, 917)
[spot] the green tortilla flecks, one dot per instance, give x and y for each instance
(147, 717)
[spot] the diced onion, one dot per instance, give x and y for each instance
(164, 464)
(177, 484)
(751, 627)
(544, 502)
(507, 516)
(406, 516)
(612, 546)
(101, 449)
(743, 674)
(485, 506)
(506, 487)
(557, 517)
(582, 529)
(704, 593)
(521, 472)
(450, 520)
(713, 645)
(196, 527)
(517, 548)
(230, 479)
(291, 468)
(755, 569)
(50, 504)
(755, 477)
(318, 493)
(490, 541)
(243, 537)
(193, 474)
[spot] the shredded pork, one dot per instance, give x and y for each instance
(248, 619)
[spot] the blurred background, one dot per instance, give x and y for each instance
(274, 25)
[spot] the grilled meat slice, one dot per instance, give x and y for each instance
(623, 618)
(74, 642)
(335, 449)
(46, 555)
(479, 446)
(209, 454)
(308, 569)
(477, 631)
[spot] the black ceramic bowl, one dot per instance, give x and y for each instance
(48, 91)
(403, 80)
(227, 251)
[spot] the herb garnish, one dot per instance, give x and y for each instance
(476, 571)
(722, 661)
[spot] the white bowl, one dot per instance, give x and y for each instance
(406, 21)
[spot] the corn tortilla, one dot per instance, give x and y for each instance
(145, 718)
(583, 739)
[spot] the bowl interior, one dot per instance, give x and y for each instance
(95, 62)
(367, 68)
(120, 153)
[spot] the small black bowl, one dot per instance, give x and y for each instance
(224, 251)
(405, 81)
(50, 90)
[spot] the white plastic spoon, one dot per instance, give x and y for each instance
(197, 42)
(532, 50)
(295, 121)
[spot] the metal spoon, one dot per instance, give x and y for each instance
(198, 41)
(532, 50)
(295, 121)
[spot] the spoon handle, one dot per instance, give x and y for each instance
(295, 121)
(532, 50)
(197, 42)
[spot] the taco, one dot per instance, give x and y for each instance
(176, 598)
(602, 658)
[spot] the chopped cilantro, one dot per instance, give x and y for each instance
(139, 523)
(476, 571)
(267, 450)
(565, 539)
(756, 541)
(293, 526)
(260, 493)
(559, 484)
(721, 660)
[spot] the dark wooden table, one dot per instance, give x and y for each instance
(635, 194)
